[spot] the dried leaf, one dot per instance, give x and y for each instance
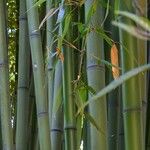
(114, 61)
(60, 54)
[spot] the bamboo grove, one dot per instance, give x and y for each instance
(74, 75)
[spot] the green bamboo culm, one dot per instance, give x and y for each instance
(31, 115)
(142, 59)
(39, 80)
(23, 81)
(132, 104)
(113, 102)
(96, 77)
(57, 113)
(7, 139)
(50, 24)
(68, 77)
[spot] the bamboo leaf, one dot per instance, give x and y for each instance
(107, 12)
(60, 14)
(115, 84)
(110, 65)
(143, 22)
(102, 34)
(66, 24)
(37, 4)
(130, 29)
(48, 15)
(91, 11)
(93, 122)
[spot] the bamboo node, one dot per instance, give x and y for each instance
(56, 130)
(34, 33)
(23, 87)
(70, 127)
(96, 66)
(3, 63)
(22, 18)
(132, 109)
(42, 113)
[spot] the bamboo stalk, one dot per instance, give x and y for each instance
(68, 77)
(142, 59)
(132, 104)
(57, 114)
(113, 98)
(7, 139)
(49, 28)
(39, 80)
(96, 79)
(23, 81)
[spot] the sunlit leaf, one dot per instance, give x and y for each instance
(91, 11)
(107, 12)
(103, 35)
(130, 29)
(143, 22)
(37, 4)
(49, 15)
(123, 78)
(60, 14)
(66, 24)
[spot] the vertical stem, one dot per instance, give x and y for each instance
(39, 77)
(50, 39)
(57, 114)
(69, 103)
(23, 81)
(132, 104)
(7, 139)
(96, 78)
(141, 10)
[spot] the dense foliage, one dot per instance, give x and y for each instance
(73, 75)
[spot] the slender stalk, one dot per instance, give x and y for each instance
(32, 115)
(50, 46)
(142, 59)
(39, 80)
(132, 104)
(23, 81)
(96, 79)
(7, 139)
(69, 102)
(57, 114)
(113, 101)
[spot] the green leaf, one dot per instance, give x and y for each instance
(93, 122)
(143, 22)
(131, 30)
(91, 11)
(107, 12)
(37, 4)
(116, 7)
(115, 84)
(66, 24)
(110, 65)
(102, 34)
(48, 16)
